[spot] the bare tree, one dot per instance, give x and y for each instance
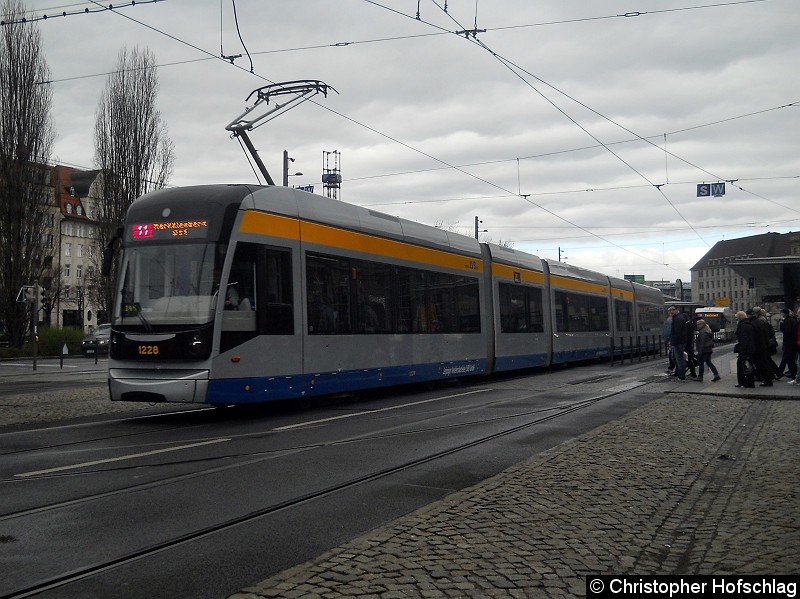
(132, 148)
(26, 136)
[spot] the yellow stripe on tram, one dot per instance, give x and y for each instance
(284, 227)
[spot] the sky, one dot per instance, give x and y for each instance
(570, 128)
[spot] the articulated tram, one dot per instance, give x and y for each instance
(232, 294)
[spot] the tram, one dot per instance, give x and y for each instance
(232, 294)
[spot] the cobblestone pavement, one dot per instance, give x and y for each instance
(699, 481)
(88, 399)
(704, 479)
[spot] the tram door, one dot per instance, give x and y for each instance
(259, 309)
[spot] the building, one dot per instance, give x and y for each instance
(75, 261)
(759, 270)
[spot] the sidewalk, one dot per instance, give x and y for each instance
(704, 479)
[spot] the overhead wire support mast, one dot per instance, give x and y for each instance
(300, 90)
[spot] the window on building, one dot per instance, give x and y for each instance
(79, 271)
(67, 249)
(66, 270)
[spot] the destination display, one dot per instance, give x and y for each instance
(186, 229)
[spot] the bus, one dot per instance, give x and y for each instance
(720, 320)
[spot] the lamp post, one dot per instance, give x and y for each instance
(286, 175)
(478, 222)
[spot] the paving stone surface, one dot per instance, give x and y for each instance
(692, 483)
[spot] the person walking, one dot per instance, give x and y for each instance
(796, 380)
(788, 365)
(705, 346)
(677, 341)
(745, 348)
(691, 357)
(666, 331)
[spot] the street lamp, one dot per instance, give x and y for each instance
(286, 175)
(477, 222)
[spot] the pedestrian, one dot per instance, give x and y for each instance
(761, 356)
(705, 347)
(691, 358)
(745, 348)
(666, 331)
(677, 341)
(772, 345)
(788, 365)
(796, 380)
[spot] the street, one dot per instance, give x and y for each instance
(192, 501)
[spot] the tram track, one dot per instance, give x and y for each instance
(539, 416)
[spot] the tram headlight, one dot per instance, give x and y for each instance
(196, 345)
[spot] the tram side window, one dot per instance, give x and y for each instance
(348, 296)
(580, 313)
(512, 309)
(521, 309)
(623, 312)
(374, 309)
(276, 315)
(238, 293)
(413, 313)
(651, 317)
(441, 306)
(329, 303)
(468, 305)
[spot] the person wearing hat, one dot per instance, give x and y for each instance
(788, 365)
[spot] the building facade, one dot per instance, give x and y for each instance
(759, 270)
(74, 265)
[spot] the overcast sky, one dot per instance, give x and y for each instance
(573, 124)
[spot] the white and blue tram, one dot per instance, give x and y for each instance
(235, 294)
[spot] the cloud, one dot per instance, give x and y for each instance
(553, 108)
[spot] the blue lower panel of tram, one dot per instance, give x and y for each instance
(262, 389)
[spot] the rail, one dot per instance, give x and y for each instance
(635, 347)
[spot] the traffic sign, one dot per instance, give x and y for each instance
(705, 190)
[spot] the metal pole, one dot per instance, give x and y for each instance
(34, 319)
(286, 168)
(254, 153)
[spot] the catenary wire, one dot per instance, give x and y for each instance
(384, 135)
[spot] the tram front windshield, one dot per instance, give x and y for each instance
(169, 284)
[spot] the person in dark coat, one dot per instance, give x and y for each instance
(666, 331)
(705, 346)
(788, 365)
(677, 341)
(691, 357)
(761, 356)
(745, 348)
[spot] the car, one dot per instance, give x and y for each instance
(97, 342)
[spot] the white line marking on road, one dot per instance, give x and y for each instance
(120, 458)
(365, 412)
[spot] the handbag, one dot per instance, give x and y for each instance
(749, 366)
